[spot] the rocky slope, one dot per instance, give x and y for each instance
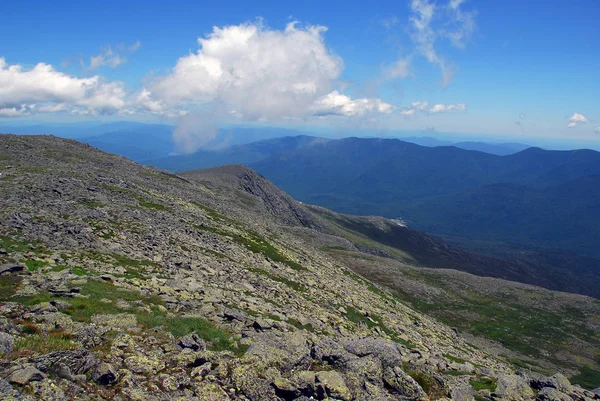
(120, 281)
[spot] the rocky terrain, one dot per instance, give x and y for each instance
(125, 282)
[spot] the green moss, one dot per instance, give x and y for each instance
(143, 202)
(308, 327)
(33, 265)
(455, 373)
(587, 378)
(255, 244)
(92, 204)
(485, 383)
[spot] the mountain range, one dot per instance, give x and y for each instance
(124, 281)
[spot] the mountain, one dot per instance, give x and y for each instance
(520, 198)
(500, 149)
(122, 281)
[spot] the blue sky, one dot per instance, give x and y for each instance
(510, 69)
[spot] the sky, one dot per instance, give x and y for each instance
(513, 70)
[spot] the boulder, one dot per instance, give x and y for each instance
(10, 268)
(385, 350)
(513, 388)
(552, 394)
(193, 342)
(122, 321)
(79, 362)
(26, 375)
(104, 374)
(403, 384)
(7, 343)
(332, 384)
(331, 352)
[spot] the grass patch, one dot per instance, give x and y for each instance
(333, 248)
(92, 204)
(290, 283)
(143, 202)
(13, 245)
(96, 293)
(308, 327)
(455, 373)
(484, 383)
(255, 244)
(33, 265)
(587, 378)
(44, 344)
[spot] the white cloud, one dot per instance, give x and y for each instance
(423, 106)
(258, 72)
(420, 105)
(400, 69)
(597, 130)
(577, 118)
(112, 57)
(522, 116)
(43, 89)
(336, 103)
(456, 25)
(461, 25)
(445, 108)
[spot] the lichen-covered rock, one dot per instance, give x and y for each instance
(144, 364)
(26, 375)
(513, 388)
(104, 374)
(7, 342)
(193, 342)
(48, 390)
(206, 391)
(403, 384)
(79, 361)
(552, 394)
(385, 350)
(331, 352)
(332, 384)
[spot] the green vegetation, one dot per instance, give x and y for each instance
(44, 344)
(255, 244)
(375, 321)
(143, 202)
(333, 248)
(100, 297)
(297, 324)
(483, 383)
(587, 378)
(427, 383)
(290, 283)
(455, 373)
(13, 245)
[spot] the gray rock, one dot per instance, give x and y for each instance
(402, 383)
(462, 393)
(331, 352)
(104, 374)
(513, 388)
(332, 384)
(193, 342)
(7, 343)
(26, 375)
(10, 268)
(552, 394)
(385, 350)
(79, 362)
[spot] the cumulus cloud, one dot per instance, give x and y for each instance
(112, 57)
(259, 72)
(336, 103)
(429, 22)
(597, 130)
(43, 89)
(252, 72)
(577, 118)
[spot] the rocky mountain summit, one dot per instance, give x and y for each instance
(125, 282)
